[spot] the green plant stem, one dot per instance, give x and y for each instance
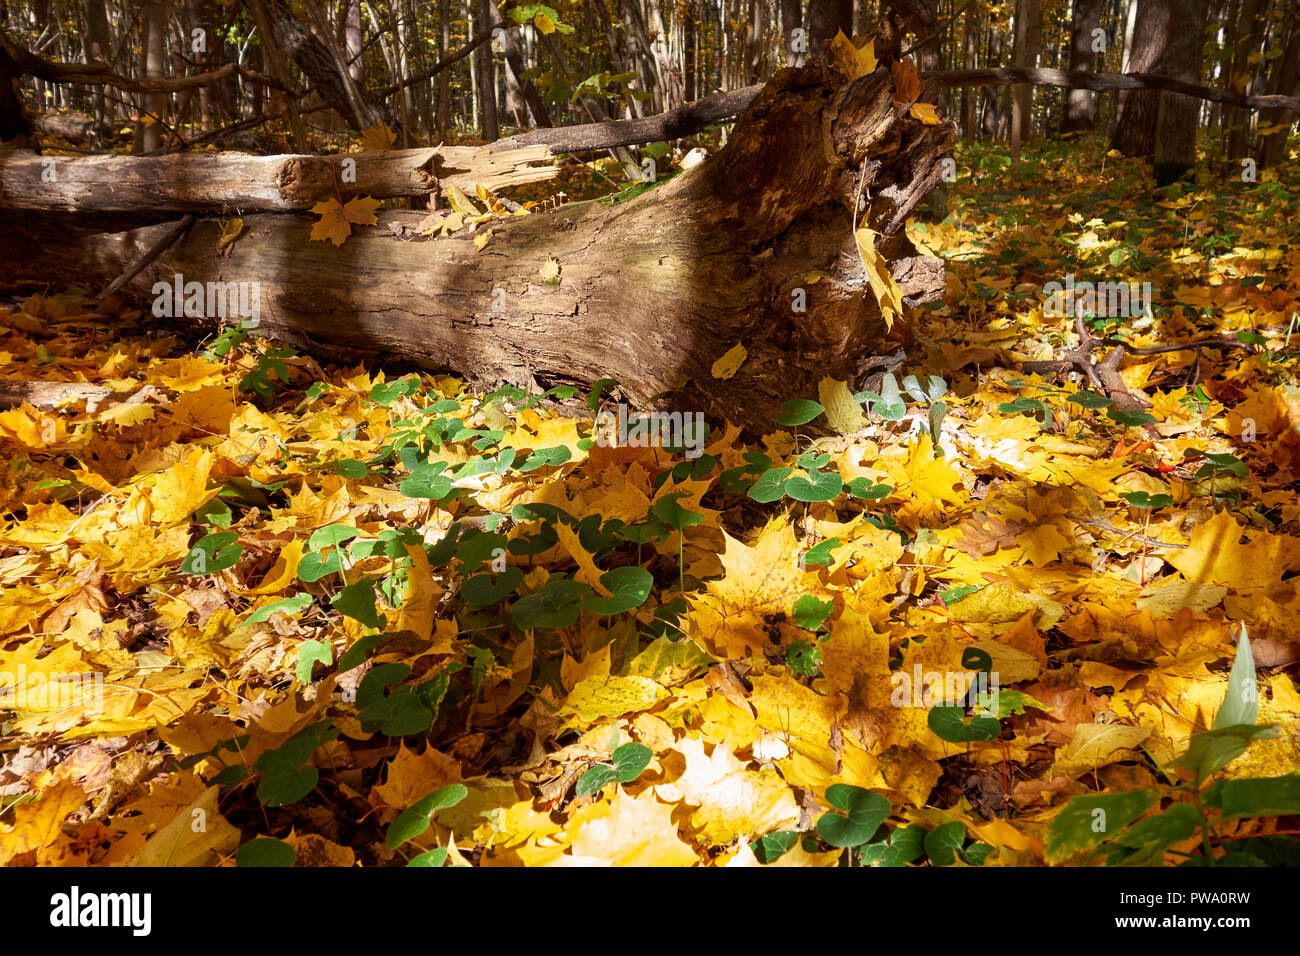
(1204, 824)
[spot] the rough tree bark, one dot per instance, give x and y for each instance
(651, 291)
(1135, 128)
(1176, 119)
(1080, 112)
(1286, 80)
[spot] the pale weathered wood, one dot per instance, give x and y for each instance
(205, 182)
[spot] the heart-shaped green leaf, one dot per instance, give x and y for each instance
(863, 812)
(264, 851)
(414, 820)
(817, 486)
(949, 723)
(629, 587)
(481, 590)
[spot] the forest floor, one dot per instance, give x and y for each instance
(346, 617)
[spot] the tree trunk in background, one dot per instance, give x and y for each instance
(1080, 112)
(98, 47)
(652, 291)
(153, 16)
(1029, 29)
(352, 40)
(1138, 109)
(1249, 31)
(1176, 121)
(970, 47)
(487, 92)
(1287, 81)
(994, 119)
(14, 121)
(444, 78)
(516, 64)
(791, 19)
(825, 19)
(686, 16)
(319, 65)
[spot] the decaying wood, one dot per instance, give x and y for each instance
(75, 128)
(651, 291)
(51, 395)
(204, 182)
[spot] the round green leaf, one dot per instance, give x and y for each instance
(770, 485)
(481, 590)
(864, 811)
(818, 486)
(667, 510)
(594, 780)
(286, 607)
(949, 723)
(943, 843)
(630, 586)
(427, 481)
(434, 857)
(265, 852)
(799, 411)
(414, 820)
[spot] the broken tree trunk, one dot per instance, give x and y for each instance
(651, 291)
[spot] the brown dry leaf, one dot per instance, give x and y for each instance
(907, 83)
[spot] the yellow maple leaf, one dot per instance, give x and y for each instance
(1043, 544)
(378, 137)
(850, 60)
(842, 412)
(887, 292)
(1217, 556)
(925, 112)
(336, 221)
(636, 831)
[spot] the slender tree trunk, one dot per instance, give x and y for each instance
(1249, 31)
(444, 78)
(1028, 37)
(98, 46)
(791, 20)
(825, 19)
(352, 40)
(1286, 81)
(153, 16)
(1080, 112)
(487, 93)
(1138, 109)
(970, 45)
(516, 65)
(1177, 118)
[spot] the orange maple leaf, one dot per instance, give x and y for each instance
(336, 221)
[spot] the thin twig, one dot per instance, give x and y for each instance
(150, 254)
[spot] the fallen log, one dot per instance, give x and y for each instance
(239, 182)
(206, 182)
(754, 247)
